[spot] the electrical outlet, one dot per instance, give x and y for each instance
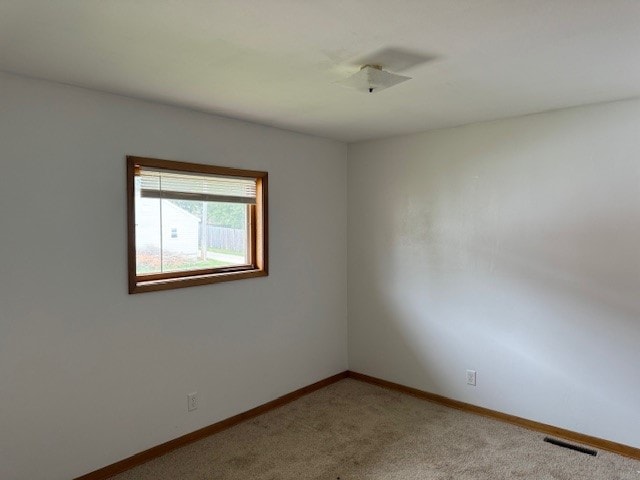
(471, 377)
(192, 401)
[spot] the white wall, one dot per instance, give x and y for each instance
(512, 248)
(90, 374)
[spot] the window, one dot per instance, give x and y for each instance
(220, 212)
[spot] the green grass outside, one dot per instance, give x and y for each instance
(223, 250)
(143, 268)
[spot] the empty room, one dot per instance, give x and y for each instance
(324, 240)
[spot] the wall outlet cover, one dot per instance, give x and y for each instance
(192, 401)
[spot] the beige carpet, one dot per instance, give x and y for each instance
(352, 430)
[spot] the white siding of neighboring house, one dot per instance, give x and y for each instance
(173, 217)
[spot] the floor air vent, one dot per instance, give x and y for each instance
(570, 446)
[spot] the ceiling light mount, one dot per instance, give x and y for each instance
(372, 78)
(377, 67)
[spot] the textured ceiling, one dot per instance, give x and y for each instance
(276, 62)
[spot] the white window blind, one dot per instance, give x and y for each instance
(177, 185)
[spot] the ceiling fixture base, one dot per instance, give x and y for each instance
(372, 79)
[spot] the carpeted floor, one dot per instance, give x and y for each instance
(352, 430)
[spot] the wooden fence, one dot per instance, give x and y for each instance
(232, 239)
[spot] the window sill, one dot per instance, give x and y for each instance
(140, 286)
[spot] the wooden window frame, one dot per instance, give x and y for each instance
(258, 228)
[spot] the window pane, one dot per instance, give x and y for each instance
(180, 236)
(148, 240)
(170, 236)
(227, 232)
